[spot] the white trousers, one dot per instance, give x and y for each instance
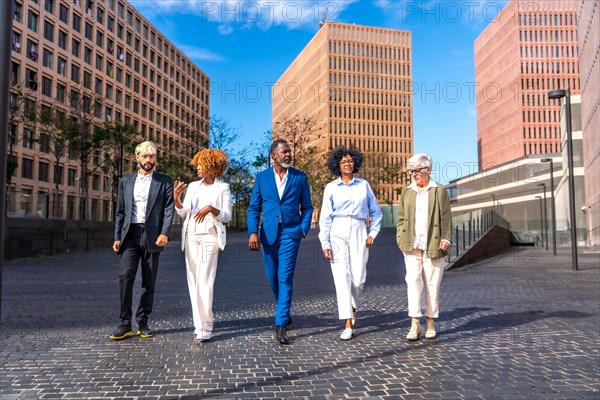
(348, 238)
(423, 275)
(201, 256)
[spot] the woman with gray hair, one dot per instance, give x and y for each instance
(424, 235)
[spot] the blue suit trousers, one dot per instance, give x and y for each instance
(280, 263)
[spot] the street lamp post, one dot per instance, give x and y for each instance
(545, 213)
(545, 160)
(558, 94)
(541, 220)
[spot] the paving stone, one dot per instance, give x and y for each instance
(521, 325)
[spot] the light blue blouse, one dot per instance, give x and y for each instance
(355, 200)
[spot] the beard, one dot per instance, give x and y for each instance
(285, 164)
(147, 166)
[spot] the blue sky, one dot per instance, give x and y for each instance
(244, 46)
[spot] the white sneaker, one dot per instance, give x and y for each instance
(204, 336)
(415, 331)
(347, 334)
(430, 333)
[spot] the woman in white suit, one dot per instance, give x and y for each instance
(205, 209)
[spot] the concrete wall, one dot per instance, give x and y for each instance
(31, 237)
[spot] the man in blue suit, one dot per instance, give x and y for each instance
(145, 209)
(282, 194)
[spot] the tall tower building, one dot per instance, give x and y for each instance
(527, 50)
(355, 82)
(127, 71)
(588, 21)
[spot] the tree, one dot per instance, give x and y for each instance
(300, 132)
(222, 135)
(115, 139)
(79, 130)
(52, 138)
(21, 109)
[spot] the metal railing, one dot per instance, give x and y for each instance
(468, 228)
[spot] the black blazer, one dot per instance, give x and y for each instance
(160, 209)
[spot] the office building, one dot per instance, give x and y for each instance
(355, 82)
(107, 54)
(588, 18)
(527, 50)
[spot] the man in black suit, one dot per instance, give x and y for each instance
(145, 210)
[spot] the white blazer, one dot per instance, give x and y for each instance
(223, 203)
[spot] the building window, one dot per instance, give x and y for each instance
(60, 93)
(48, 31)
(76, 23)
(14, 72)
(27, 168)
(61, 66)
(109, 91)
(87, 55)
(32, 21)
(63, 13)
(16, 42)
(31, 79)
(43, 168)
(72, 173)
(46, 87)
(96, 182)
(75, 73)
(99, 86)
(49, 6)
(33, 50)
(99, 61)
(62, 39)
(75, 47)
(28, 138)
(87, 80)
(88, 31)
(27, 195)
(17, 12)
(110, 23)
(58, 174)
(47, 58)
(99, 39)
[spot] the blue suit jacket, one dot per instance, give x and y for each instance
(294, 209)
(159, 209)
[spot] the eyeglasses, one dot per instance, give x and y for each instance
(415, 171)
(346, 162)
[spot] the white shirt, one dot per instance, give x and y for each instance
(421, 214)
(280, 182)
(141, 190)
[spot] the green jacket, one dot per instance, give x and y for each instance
(439, 221)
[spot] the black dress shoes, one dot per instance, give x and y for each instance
(281, 335)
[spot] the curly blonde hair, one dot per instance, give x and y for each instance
(213, 161)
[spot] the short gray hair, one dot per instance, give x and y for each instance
(420, 160)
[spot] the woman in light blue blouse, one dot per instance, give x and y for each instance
(345, 232)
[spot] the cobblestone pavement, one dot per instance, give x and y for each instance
(519, 326)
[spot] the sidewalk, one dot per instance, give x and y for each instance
(521, 326)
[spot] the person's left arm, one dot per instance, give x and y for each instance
(375, 214)
(306, 207)
(445, 220)
(169, 212)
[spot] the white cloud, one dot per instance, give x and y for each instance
(264, 14)
(200, 54)
(225, 29)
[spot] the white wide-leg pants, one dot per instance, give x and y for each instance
(348, 238)
(201, 256)
(423, 275)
